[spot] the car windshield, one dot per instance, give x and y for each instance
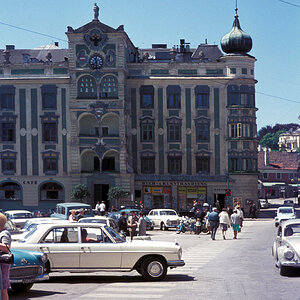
(117, 238)
(286, 210)
(292, 230)
(87, 211)
(84, 220)
(167, 213)
(21, 216)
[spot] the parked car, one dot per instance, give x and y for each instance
(289, 203)
(164, 218)
(80, 247)
(28, 267)
(263, 203)
(284, 213)
(286, 248)
(18, 217)
(63, 210)
(101, 220)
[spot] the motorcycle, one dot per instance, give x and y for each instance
(186, 225)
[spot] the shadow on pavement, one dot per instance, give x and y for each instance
(32, 294)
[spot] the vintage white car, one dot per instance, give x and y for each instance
(164, 218)
(284, 213)
(286, 248)
(18, 217)
(92, 247)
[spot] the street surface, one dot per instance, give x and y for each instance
(221, 269)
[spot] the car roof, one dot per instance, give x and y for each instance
(164, 209)
(18, 211)
(69, 224)
(289, 207)
(71, 204)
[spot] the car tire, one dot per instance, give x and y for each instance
(283, 270)
(163, 226)
(21, 287)
(154, 269)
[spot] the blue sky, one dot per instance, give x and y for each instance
(273, 25)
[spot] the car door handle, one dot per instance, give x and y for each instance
(84, 249)
(45, 249)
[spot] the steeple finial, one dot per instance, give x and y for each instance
(96, 12)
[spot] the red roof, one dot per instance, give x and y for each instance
(279, 161)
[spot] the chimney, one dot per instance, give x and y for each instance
(266, 152)
(56, 44)
(10, 47)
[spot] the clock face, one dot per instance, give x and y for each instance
(96, 61)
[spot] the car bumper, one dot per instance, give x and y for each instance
(30, 280)
(175, 263)
(295, 264)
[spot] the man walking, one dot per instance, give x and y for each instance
(213, 219)
(235, 221)
(102, 208)
(132, 224)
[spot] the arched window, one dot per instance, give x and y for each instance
(51, 191)
(109, 87)
(10, 191)
(87, 87)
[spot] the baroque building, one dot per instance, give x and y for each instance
(169, 125)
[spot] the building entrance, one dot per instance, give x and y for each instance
(219, 198)
(100, 194)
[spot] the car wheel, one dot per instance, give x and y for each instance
(154, 269)
(283, 270)
(163, 226)
(21, 287)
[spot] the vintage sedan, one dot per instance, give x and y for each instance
(164, 218)
(286, 248)
(284, 213)
(18, 217)
(81, 247)
(28, 267)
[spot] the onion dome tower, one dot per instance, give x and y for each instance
(236, 41)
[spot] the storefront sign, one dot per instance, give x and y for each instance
(29, 182)
(157, 190)
(147, 190)
(192, 192)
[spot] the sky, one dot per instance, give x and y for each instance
(274, 26)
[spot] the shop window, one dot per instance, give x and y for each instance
(51, 191)
(148, 165)
(10, 191)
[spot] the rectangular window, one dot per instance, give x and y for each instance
(8, 132)
(104, 131)
(265, 175)
(246, 164)
(147, 101)
(244, 71)
(7, 101)
(252, 100)
(147, 133)
(233, 145)
(239, 130)
(234, 99)
(49, 101)
(174, 101)
(8, 165)
(244, 99)
(202, 165)
(246, 145)
(232, 70)
(50, 165)
(252, 72)
(233, 164)
(49, 132)
(148, 165)
(202, 133)
(174, 165)
(202, 101)
(174, 132)
(108, 164)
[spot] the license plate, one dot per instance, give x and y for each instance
(27, 280)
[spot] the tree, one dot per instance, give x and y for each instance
(115, 193)
(80, 192)
(273, 129)
(270, 140)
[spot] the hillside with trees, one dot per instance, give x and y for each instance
(269, 135)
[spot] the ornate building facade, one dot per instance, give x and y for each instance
(169, 125)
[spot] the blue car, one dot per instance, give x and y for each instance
(63, 210)
(28, 267)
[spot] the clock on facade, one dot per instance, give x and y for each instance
(96, 61)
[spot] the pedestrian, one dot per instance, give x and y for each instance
(5, 242)
(122, 223)
(102, 208)
(213, 219)
(224, 222)
(142, 225)
(218, 206)
(132, 224)
(241, 215)
(97, 207)
(235, 221)
(229, 210)
(252, 210)
(207, 221)
(198, 226)
(80, 215)
(72, 216)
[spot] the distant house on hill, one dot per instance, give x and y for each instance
(279, 174)
(289, 141)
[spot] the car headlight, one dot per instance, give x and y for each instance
(44, 257)
(288, 254)
(168, 222)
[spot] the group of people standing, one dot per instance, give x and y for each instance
(225, 219)
(132, 224)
